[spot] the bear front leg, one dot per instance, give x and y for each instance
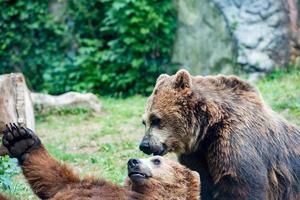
(45, 175)
(20, 141)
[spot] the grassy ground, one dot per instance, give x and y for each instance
(282, 92)
(101, 145)
(93, 145)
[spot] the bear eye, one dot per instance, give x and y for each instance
(155, 121)
(156, 161)
(143, 122)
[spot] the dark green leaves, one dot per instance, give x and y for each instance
(8, 168)
(103, 46)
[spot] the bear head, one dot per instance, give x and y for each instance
(182, 108)
(169, 116)
(162, 178)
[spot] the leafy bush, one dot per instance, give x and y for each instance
(142, 34)
(8, 168)
(30, 40)
(103, 46)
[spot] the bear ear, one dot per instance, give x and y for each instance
(182, 80)
(162, 77)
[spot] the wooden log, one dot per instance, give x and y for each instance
(46, 102)
(15, 103)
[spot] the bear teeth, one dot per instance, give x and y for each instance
(138, 174)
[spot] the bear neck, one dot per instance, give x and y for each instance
(156, 191)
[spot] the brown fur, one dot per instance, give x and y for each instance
(171, 181)
(162, 179)
(221, 127)
(3, 197)
(50, 179)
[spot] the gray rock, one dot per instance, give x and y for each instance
(203, 43)
(255, 77)
(261, 32)
(213, 35)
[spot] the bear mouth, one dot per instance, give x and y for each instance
(162, 151)
(138, 175)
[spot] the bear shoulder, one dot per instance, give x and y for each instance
(182, 79)
(231, 82)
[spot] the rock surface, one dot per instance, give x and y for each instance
(261, 30)
(46, 102)
(15, 103)
(252, 35)
(203, 43)
(294, 7)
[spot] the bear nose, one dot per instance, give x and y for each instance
(145, 147)
(133, 162)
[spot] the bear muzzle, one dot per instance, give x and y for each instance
(145, 147)
(149, 149)
(137, 171)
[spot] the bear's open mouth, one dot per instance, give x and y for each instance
(134, 175)
(162, 151)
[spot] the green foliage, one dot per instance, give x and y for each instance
(103, 46)
(141, 34)
(8, 168)
(26, 31)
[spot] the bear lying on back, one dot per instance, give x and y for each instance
(221, 127)
(154, 178)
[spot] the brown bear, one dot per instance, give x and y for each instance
(154, 178)
(3, 197)
(220, 127)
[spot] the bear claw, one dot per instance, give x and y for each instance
(19, 141)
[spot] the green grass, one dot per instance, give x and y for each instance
(281, 90)
(101, 145)
(98, 145)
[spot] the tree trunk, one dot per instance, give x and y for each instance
(15, 103)
(46, 102)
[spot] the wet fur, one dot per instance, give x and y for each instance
(221, 127)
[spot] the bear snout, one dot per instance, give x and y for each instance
(148, 149)
(145, 147)
(138, 172)
(160, 150)
(132, 163)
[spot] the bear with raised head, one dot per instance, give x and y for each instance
(221, 127)
(154, 178)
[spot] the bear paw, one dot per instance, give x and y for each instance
(20, 141)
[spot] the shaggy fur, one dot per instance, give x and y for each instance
(50, 179)
(2, 197)
(221, 127)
